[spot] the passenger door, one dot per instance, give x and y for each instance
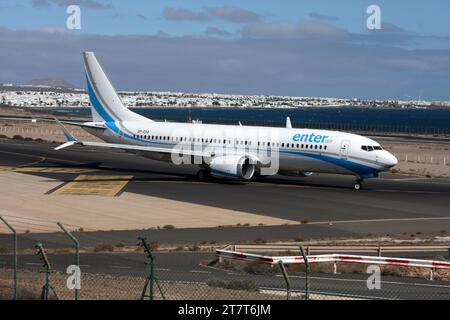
(345, 144)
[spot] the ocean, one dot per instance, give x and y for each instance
(418, 121)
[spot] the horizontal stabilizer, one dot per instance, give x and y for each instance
(65, 145)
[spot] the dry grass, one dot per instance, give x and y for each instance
(107, 287)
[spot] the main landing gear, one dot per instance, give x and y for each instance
(358, 184)
(203, 175)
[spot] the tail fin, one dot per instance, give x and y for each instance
(105, 103)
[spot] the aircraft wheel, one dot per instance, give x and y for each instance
(203, 175)
(357, 185)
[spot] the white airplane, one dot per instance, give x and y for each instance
(224, 151)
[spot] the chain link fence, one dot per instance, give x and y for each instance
(126, 272)
(227, 279)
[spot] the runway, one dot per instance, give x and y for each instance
(324, 206)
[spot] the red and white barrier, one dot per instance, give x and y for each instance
(432, 264)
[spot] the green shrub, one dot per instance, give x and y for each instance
(4, 250)
(247, 285)
(104, 247)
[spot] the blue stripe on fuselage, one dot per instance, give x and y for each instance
(359, 169)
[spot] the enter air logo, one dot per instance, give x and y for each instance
(311, 137)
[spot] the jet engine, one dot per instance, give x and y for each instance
(233, 166)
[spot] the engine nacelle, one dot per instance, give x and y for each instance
(233, 166)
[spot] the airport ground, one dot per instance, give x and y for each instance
(112, 197)
(40, 185)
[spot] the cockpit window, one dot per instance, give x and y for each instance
(371, 148)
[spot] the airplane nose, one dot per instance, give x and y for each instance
(390, 160)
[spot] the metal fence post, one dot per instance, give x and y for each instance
(305, 258)
(15, 255)
(151, 278)
(77, 253)
(286, 278)
(48, 270)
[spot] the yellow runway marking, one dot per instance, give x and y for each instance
(52, 170)
(96, 185)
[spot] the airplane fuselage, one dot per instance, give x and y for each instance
(302, 150)
(226, 151)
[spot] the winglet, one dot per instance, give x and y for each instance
(71, 140)
(288, 123)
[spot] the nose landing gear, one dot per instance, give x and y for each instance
(358, 184)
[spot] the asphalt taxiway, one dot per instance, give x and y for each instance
(324, 206)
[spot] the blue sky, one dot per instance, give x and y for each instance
(319, 48)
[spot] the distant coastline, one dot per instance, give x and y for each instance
(43, 96)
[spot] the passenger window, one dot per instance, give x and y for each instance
(282, 145)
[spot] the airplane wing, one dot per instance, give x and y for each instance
(175, 150)
(71, 140)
